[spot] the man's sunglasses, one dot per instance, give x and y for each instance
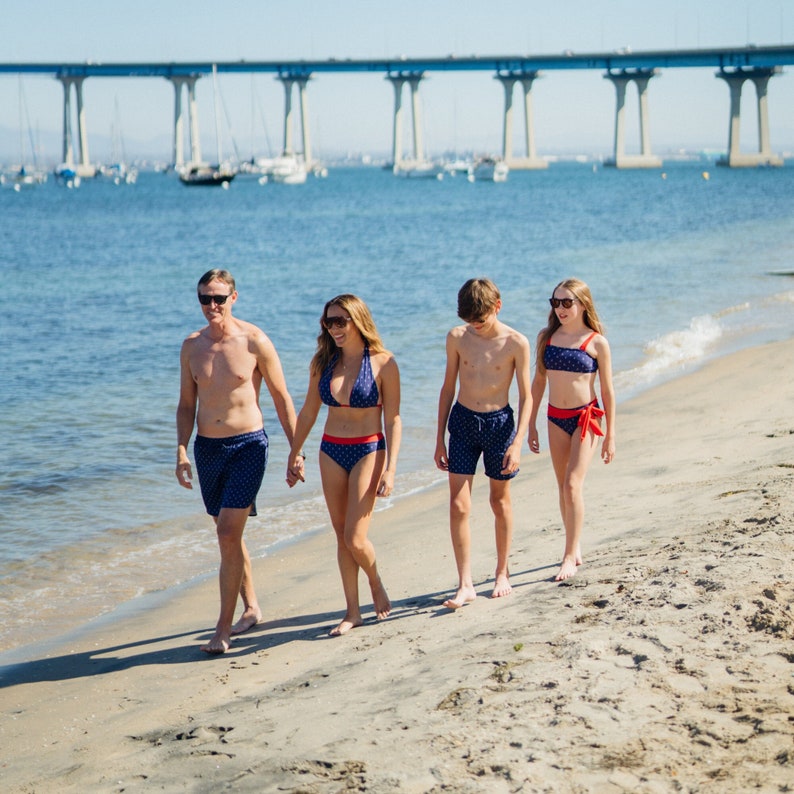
(206, 300)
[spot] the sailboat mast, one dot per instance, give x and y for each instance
(217, 114)
(253, 115)
(21, 127)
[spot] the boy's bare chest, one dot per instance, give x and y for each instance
(485, 358)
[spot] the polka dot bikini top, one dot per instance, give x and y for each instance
(570, 359)
(365, 390)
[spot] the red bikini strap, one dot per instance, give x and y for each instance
(587, 341)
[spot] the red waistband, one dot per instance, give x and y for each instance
(357, 440)
(588, 417)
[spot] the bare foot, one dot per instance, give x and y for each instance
(248, 620)
(218, 644)
(502, 587)
(464, 595)
(345, 626)
(380, 600)
(567, 569)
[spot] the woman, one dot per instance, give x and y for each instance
(571, 351)
(358, 379)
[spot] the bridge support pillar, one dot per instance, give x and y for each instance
(764, 156)
(83, 167)
(620, 159)
(398, 82)
(397, 133)
(416, 113)
(289, 145)
(179, 84)
(530, 160)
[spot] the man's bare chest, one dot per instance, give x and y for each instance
(227, 366)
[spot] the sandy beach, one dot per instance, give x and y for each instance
(665, 665)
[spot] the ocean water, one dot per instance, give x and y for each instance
(100, 292)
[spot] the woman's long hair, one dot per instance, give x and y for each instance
(582, 293)
(359, 313)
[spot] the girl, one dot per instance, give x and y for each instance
(571, 351)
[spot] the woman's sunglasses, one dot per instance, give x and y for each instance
(335, 322)
(566, 303)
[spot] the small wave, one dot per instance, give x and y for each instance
(668, 353)
(742, 307)
(783, 297)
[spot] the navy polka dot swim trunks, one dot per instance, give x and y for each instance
(472, 434)
(230, 470)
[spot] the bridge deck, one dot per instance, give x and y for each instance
(720, 58)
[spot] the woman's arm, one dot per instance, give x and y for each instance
(392, 424)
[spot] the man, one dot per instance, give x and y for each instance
(222, 369)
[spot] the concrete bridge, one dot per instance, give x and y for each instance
(734, 65)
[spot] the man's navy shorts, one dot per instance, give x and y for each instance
(230, 470)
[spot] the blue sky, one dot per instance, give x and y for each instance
(574, 112)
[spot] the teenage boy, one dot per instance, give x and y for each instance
(483, 357)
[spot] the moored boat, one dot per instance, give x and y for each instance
(23, 177)
(207, 175)
(289, 169)
(489, 169)
(67, 174)
(458, 166)
(419, 169)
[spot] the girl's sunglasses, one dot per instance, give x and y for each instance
(566, 303)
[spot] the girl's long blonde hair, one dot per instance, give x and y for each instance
(582, 293)
(359, 313)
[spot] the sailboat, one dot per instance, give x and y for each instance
(490, 169)
(221, 174)
(207, 175)
(24, 175)
(287, 168)
(118, 170)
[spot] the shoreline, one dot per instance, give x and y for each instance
(665, 663)
(148, 558)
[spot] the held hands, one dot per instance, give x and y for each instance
(295, 470)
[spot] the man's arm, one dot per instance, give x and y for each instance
(185, 417)
(269, 366)
(303, 425)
